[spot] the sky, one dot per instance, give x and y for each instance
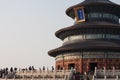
(27, 31)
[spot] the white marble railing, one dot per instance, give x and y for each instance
(46, 74)
(106, 74)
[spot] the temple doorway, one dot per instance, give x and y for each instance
(58, 67)
(71, 66)
(92, 66)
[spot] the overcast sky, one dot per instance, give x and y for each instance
(27, 29)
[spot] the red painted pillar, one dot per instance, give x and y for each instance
(81, 66)
(87, 67)
(63, 62)
(105, 63)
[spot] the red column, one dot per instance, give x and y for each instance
(63, 62)
(87, 66)
(105, 60)
(81, 65)
(105, 63)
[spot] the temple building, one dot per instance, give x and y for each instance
(93, 40)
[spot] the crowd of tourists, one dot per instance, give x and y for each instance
(10, 72)
(5, 71)
(74, 75)
(30, 68)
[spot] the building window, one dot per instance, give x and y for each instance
(92, 36)
(103, 17)
(86, 55)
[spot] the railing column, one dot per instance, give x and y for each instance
(43, 77)
(116, 77)
(63, 73)
(14, 78)
(54, 74)
(104, 70)
(23, 77)
(5, 77)
(113, 71)
(93, 77)
(65, 77)
(32, 77)
(95, 73)
(105, 77)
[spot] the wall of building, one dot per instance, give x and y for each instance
(86, 65)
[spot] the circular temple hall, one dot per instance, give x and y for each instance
(93, 40)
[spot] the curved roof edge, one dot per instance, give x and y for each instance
(93, 3)
(88, 25)
(87, 45)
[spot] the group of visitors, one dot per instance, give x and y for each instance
(52, 68)
(74, 75)
(5, 71)
(11, 71)
(30, 68)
